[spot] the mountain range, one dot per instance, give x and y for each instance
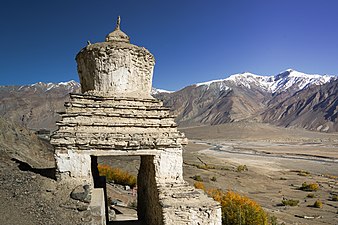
(288, 99)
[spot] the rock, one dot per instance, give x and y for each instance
(81, 193)
(82, 207)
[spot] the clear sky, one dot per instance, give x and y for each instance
(192, 41)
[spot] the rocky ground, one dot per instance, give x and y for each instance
(32, 196)
(29, 194)
(28, 198)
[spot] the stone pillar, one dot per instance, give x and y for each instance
(149, 209)
(74, 166)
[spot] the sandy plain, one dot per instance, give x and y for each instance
(279, 160)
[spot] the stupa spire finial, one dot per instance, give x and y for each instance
(118, 22)
(117, 35)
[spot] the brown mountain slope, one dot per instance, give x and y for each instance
(240, 97)
(35, 106)
(313, 108)
(195, 105)
(21, 144)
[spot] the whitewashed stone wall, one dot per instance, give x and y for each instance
(116, 69)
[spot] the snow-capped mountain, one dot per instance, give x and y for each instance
(247, 96)
(290, 98)
(289, 79)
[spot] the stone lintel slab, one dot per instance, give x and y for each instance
(139, 152)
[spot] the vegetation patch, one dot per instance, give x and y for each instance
(334, 198)
(197, 178)
(117, 175)
(310, 195)
(309, 187)
(201, 166)
(238, 209)
(242, 168)
(199, 185)
(290, 202)
(214, 179)
(317, 204)
(303, 173)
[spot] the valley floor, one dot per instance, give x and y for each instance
(278, 162)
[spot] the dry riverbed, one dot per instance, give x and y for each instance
(278, 163)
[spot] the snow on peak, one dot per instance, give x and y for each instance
(290, 77)
(71, 85)
(280, 82)
(155, 91)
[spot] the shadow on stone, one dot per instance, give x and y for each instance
(127, 222)
(45, 172)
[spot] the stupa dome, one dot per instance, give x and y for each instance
(118, 35)
(116, 67)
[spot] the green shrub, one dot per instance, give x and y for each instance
(303, 173)
(205, 166)
(309, 187)
(273, 220)
(334, 198)
(214, 179)
(242, 168)
(318, 204)
(290, 202)
(310, 195)
(197, 178)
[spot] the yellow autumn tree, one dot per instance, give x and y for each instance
(239, 210)
(117, 175)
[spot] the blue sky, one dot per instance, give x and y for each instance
(192, 41)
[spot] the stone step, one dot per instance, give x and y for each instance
(105, 124)
(115, 106)
(108, 115)
(87, 97)
(138, 121)
(115, 129)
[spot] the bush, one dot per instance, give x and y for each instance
(318, 204)
(242, 168)
(214, 179)
(237, 209)
(334, 198)
(310, 195)
(303, 173)
(309, 187)
(273, 220)
(205, 167)
(199, 185)
(117, 175)
(197, 178)
(290, 202)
